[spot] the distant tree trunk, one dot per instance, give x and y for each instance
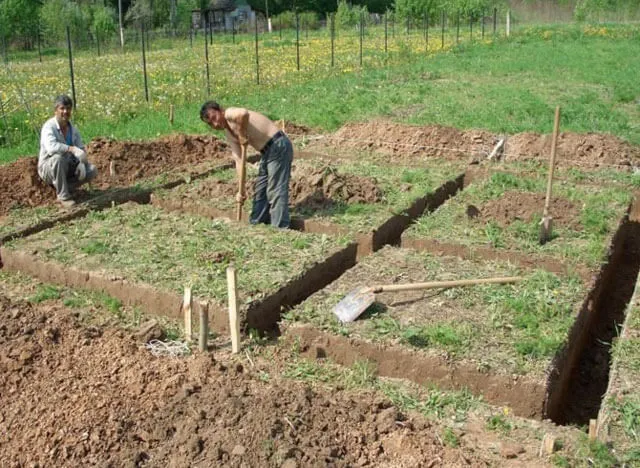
(172, 16)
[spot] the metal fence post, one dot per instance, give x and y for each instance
(442, 20)
(385, 33)
(144, 63)
(333, 33)
(257, 60)
(206, 58)
(73, 84)
(298, 41)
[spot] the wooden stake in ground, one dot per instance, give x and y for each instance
(171, 113)
(242, 181)
(204, 326)
(234, 323)
(112, 169)
(593, 429)
(186, 310)
(545, 224)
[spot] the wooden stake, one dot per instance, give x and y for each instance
(171, 113)
(204, 326)
(545, 224)
(593, 429)
(496, 150)
(112, 169)
(186, 309)
(234, 324)
(548, 445)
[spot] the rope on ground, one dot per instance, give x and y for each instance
(168, 348)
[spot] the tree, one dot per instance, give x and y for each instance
(19, 21)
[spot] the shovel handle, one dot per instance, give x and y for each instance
(242, 181)
(552, 161)
(444, 284)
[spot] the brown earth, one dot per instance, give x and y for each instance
(527, 206)
(313, 189)
(73, 395)
(408, 141)
(323, 187)
(133, 161)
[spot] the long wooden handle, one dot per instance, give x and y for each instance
(552, 162)
(242, 181)
(445, 284)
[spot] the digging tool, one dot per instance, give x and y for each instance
(545, 223)
(357, 301)
(242, 181)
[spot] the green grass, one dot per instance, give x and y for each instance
(599, 210)
(496, 86)
(400, 187)
(502, 328)
(169, 251)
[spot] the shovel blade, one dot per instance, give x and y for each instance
(353, 304)
(545, 230)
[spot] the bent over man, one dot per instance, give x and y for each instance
(242, 126)
(63, 162)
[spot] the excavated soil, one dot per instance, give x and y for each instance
(574, 149)
(133, 161)
(323, 187)
(77, 396)
(21, 186)
(315, 190)
(526, 206)
(406, 141)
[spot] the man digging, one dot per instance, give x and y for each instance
(242, 127)
(63, 162)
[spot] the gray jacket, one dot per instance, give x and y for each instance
(52, 141)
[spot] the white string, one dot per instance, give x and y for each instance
(168, 348)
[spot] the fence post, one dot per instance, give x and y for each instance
(210, 28)
(483, 15)
(206, 58)
(39, 48)
(233, 29)
(98, 42)
(144, 63)
(298, 41)
(393, 25)
(426, 32)
(257, 60)
(458, 29)
(385, 33)
(442, 42)
(73, 84)
(495, 20)
(191, 36)
(361, 34)
(333, 32)
(471, 27)
(508, 23)
(280, 28)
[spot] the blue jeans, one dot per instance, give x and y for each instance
(271, 190)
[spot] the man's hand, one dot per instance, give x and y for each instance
(240, 198)
(81, 171)
(79, 153)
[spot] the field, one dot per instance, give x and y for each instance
(382, 192)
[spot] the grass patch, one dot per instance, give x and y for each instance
(144, 244)
(514, 328)
(491, 84)
(598, 209)
(400, 188)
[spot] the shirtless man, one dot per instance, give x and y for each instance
(242, 126)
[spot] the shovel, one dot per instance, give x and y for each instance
(357, 301)
(241, 181)
(545, 223)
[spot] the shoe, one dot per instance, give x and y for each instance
(69, 203)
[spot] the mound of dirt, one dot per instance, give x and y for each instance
(21, 186)
(78, 396)
(325, 187)
(133, 161)
(408, 140)
(295, 130)
(527, 206)
(574, 149)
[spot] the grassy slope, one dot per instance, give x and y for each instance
(504, 87)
